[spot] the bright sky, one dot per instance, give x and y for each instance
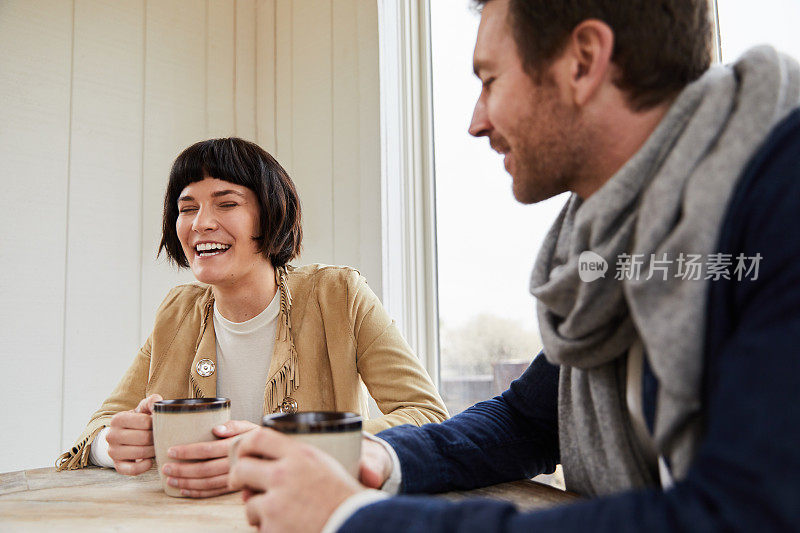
(487, 241)
(745, 23)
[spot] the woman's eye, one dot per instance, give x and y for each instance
(228, 204)
(188, 209)
(487, 83)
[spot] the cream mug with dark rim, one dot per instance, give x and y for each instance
(185, 421)
(335, 433)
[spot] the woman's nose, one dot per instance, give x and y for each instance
(204, 220)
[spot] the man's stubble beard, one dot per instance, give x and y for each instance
(550, 162)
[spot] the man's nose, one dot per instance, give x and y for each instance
(204, 220)
(480, 125)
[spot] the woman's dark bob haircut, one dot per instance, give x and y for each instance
(243, 163)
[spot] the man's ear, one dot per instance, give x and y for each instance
(586, 59)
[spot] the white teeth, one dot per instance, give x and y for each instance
(206, 246)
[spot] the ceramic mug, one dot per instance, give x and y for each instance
(336, 433)
(185, 421)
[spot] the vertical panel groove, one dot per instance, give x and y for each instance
(235, 66)
(255, 73)
(141, 180)
(205, 62)
(291, 82)
(361, 177)
(66, 228)
(333, 152)
(275, 76)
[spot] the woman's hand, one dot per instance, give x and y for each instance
(375, 466)
(130, 438)
(209, 476)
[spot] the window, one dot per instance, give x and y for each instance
(487, 242)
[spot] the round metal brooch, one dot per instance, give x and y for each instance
(205, 367)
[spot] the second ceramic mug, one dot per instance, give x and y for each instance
(337, 434)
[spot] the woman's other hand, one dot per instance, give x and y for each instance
(130, 438)
(209, 476)
(375, 466)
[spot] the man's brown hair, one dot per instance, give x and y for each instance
(659, 45)
(244, 163)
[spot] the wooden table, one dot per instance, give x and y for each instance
(98, 499)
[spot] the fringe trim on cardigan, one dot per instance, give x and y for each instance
(286, 380)
(77, 456)
(206, 314)
(194, 388)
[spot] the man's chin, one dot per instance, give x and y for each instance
(531, 191)
(528, 195)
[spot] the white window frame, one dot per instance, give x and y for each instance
(716, 51)
(407, 177)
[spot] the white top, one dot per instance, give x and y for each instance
(244, 352)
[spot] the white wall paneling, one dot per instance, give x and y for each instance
(246, 69)
(327, 127)
(346, 142)
(174, 117)
(97, 97)
(371, 217)
(220, 69)
(101, 326)
(265, 75)
(312, 123)
(284, 85)
(36, 40)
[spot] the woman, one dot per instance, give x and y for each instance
(270, 337)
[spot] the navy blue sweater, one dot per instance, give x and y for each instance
(746, 474)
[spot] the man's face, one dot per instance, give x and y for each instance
(527, 121)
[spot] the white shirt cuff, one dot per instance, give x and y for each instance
(350, 506)
(391, 485)
(98, 450)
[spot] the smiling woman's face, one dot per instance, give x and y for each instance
(216, 223)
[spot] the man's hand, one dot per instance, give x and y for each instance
(376, 464)
(130, 438)
(289, 486)
(209, 476)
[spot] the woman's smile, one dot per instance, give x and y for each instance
(210, 249)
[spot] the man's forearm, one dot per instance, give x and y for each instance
(512, 436)
(680, 510)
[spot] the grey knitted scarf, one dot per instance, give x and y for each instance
(669, 198)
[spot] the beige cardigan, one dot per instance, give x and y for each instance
(333, 337)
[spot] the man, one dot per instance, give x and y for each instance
(672, 399)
